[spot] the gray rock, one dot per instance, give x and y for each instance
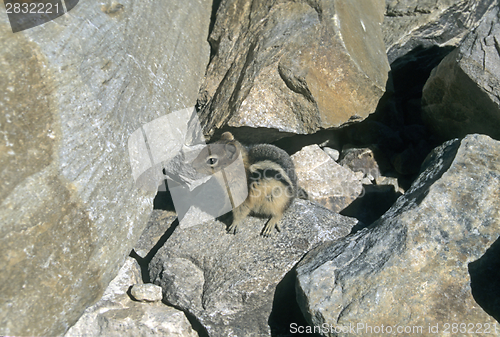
(146, 292)
(293, 67)
(115, 314)
(334, 154)
(228, 281)
(325, 181)
(461, 95)
(411, 267)
(415, 23)
(144, 320)
(71, 93)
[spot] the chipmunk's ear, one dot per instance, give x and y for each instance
(230, 148)
(227, 136)
(231, 151)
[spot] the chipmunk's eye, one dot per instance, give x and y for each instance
(212, 161)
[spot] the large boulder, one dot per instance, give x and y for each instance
(461, 95)
(229, 283)
(281, 67)
(410, 268)
(71, 93)
(409, 24)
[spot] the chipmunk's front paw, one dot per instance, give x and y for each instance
(268, 229)
(232, 228)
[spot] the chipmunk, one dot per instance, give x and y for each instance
(270, 177)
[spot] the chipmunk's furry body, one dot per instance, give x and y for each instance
(270, 177)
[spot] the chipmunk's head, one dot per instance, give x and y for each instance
(214, 157)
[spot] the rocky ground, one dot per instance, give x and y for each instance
(389, 110)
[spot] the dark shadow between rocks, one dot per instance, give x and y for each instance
(400, 105)
(144, 262)
(293, 144)
(248, 135)
(196, 325)
(396, 126)
(286, 316)
(163, 200)
(485, 280)
(214, 45)
(371, 205)
(213, 15)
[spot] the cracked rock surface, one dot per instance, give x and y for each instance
(228, 282)
(284, 67)
(461, 95)
(410, 268)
